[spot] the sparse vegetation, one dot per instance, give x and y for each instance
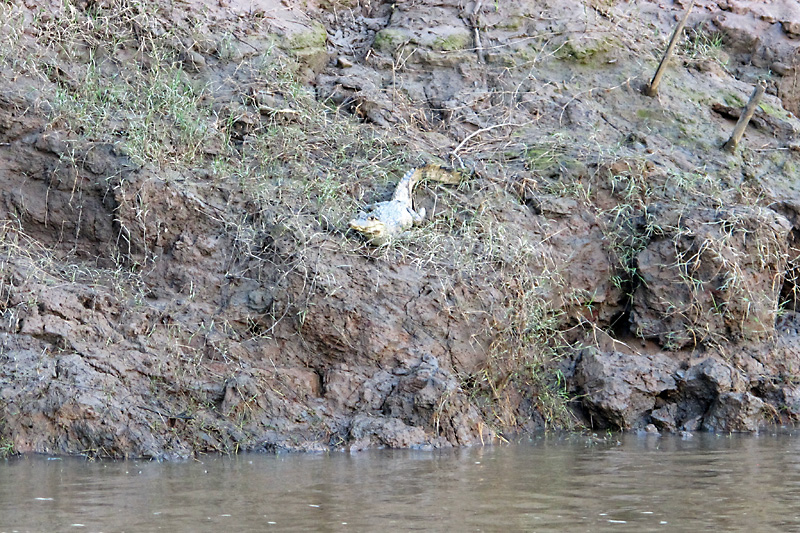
(702, 44)
(182, 197)
(6, 448)
(524, 358)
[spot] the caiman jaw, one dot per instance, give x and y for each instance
(371, 228)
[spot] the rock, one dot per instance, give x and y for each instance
(343, 388)
(735, 411)
(260, 300)
(664, 418)
(789, 89)
(344, 62)
(389, 432)
(750, 28)
(550, 205)
(708, 396)
(632, 391)
(792, 27)
(306, 41)
(709, 378)
(429, 394)
(709, 274)
(360, 89)
(619, 390)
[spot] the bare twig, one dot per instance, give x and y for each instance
(747, 114)
(652, 89)
(454, 153)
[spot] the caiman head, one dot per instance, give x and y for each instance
(371, 228)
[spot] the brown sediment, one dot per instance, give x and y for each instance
(177, 275)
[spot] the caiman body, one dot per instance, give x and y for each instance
(382, 222)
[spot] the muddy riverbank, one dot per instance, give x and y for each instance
(177, 274)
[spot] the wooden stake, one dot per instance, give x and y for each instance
(652, 89)
(476, 24)
(744, 118)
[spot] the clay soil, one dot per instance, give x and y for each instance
(177, 275)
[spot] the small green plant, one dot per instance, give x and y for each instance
(628, 230)
(702, 44)
(6, 448)
(542, 157)
(523, 357)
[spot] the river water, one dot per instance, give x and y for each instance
(610, 483)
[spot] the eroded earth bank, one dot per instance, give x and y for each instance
(177, 274)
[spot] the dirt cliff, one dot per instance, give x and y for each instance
(177, 275)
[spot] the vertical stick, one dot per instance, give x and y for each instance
(744, 118)
(476, 23)
(652, 89)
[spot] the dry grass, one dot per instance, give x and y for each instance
(466, 245)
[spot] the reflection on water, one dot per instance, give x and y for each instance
(644, 483)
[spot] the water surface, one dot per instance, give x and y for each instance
(623, 483)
